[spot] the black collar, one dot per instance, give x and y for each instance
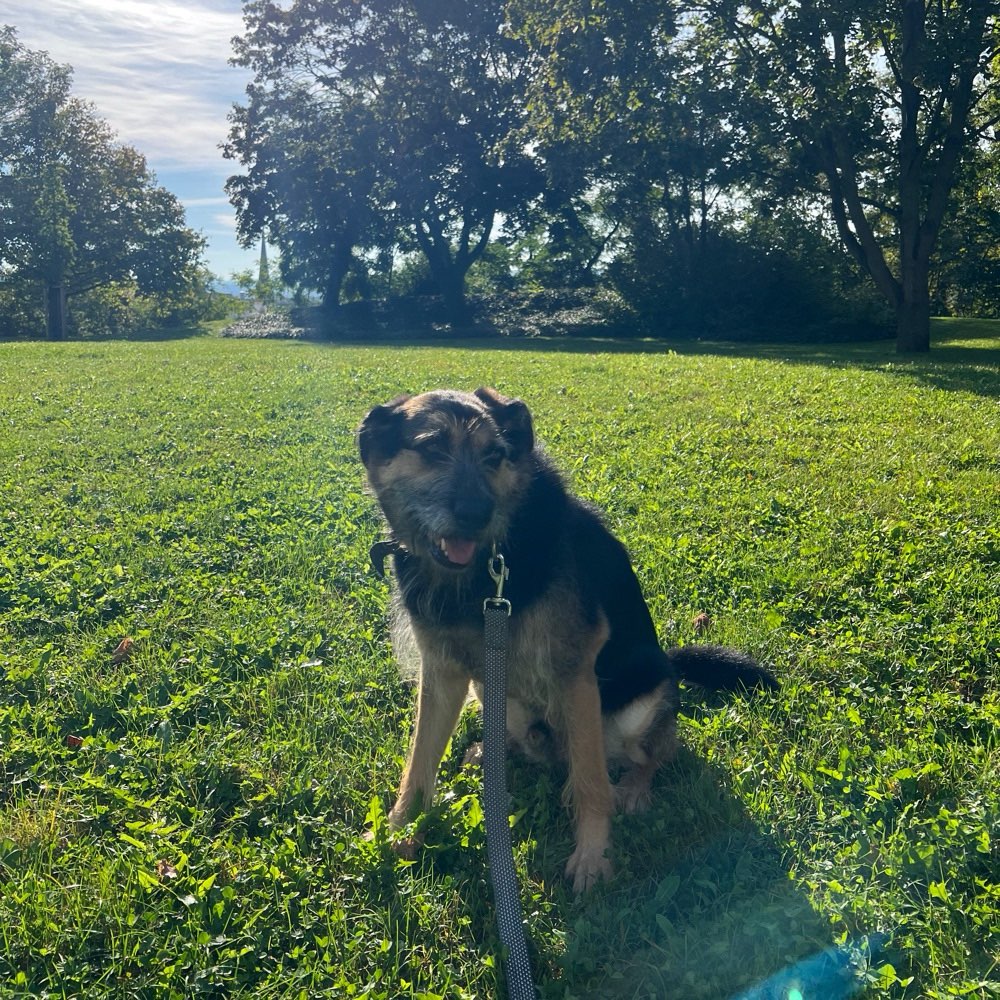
(378, 552)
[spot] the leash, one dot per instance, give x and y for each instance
(500, 854)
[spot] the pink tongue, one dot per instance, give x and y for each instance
(459, 550)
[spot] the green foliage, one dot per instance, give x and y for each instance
(118, 309)
(79, 210)
(268, 291)
(878, 103)
(966, 275)
(542, 146)
(379, 126)
(307, 186)
(786, 279)
(564, 248)
(121, 310)
(188, 817)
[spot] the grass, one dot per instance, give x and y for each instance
(187, 819)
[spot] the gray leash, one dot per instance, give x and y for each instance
(503, 878)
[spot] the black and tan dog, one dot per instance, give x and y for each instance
(455, 474)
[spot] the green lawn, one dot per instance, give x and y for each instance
(189, 821)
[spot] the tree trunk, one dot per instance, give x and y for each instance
(447, 272)
(452, 286)
(55, 311)
(913, 310)
(340, 264)
(450, 264)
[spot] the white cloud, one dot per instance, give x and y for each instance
(158, 72)
(225, 222)
(206, 202)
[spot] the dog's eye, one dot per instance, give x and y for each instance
(432, 451)
(493, 458)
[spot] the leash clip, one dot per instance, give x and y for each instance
(498, 570)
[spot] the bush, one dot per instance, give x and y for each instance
(114, 310)
(22, 314)
(775, 278)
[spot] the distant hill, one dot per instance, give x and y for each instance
(229, 287)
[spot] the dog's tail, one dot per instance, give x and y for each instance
(720, 669)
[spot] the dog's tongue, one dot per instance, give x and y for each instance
(459, 550)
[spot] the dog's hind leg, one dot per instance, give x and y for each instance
(648, 732)
(442, 692)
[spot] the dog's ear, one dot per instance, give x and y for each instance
(380, 432)
(513, 418)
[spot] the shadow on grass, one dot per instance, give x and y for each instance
(138, 337)
(702, 906)
(161, 334)
(965, 356)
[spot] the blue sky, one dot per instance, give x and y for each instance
(158, 72)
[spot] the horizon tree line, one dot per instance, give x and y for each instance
(708, 165)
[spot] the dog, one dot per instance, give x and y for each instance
(458, 475)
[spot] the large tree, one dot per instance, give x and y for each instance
(637, 102)
(879, 100)
(309, 185)
(869, 103)
(78, 210)
(419, 104)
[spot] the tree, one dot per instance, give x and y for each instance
(879, 100)
(636, 104)
(965, 271)
(405, 111)
(309, 184)
(871, 104)
(79, 210)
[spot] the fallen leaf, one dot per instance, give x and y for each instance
(122, 651)
(165, 870)
(74, 742)
(702, 623)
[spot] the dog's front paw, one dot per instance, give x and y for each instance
(587, 866)
(406, 847)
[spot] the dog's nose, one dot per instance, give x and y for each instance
(472, 510)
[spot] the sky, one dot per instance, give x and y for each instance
(158, 73)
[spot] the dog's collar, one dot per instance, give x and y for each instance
(385, 547)
(378, 552)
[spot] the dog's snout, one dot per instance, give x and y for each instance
(472, 507)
